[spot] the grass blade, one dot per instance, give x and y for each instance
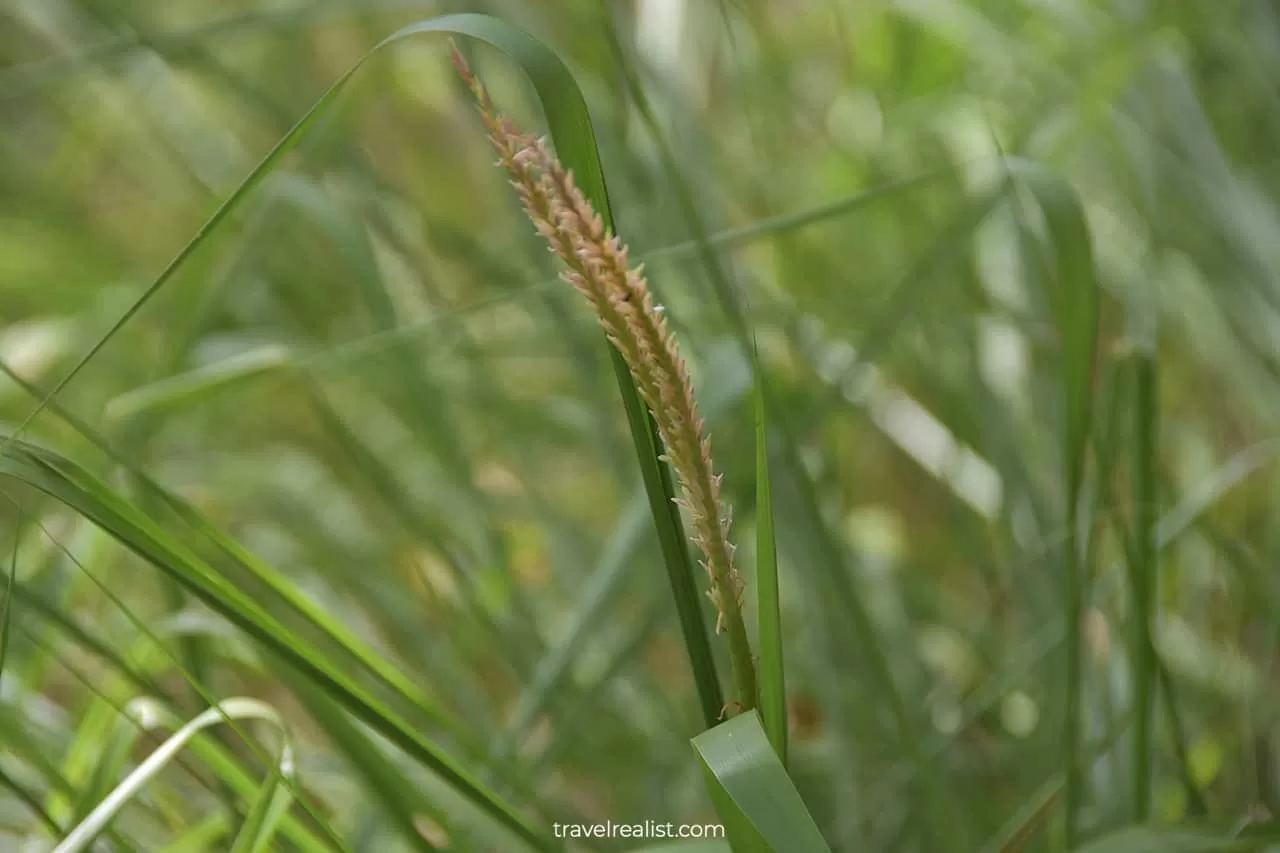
(83, 834)
(1144, 579)
(757, 801)
(1141, 840)
(773, 688)
(269, 806)
(395, 793)
(201, 837)
(1067, 268)
(10, 589)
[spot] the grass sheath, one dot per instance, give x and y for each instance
(597, 266)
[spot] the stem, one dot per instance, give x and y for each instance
(744, 665)
(1074, 598)
(1144, 580)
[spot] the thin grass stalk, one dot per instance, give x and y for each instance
(1144, 578)
(1074, 606)
(10, 590)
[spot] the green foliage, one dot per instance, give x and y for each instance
(332, 534)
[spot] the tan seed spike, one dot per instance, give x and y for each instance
(598, 268)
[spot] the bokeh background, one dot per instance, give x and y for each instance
(369, 377)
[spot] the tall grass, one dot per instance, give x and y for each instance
(331, 521)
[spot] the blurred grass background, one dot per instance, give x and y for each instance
(370, 378)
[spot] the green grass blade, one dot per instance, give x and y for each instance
(200, 838)
(773, 687)
(30, 800)
(269, 805)
(1141, 840)
(599, 593)
(225, 766)
(188, 388)
(386, 784)
(39, 605)
(1071, 279)
(10, 591)
(1144, 579)
(757, 801)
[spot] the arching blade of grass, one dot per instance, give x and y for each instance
(75, 487)
(83, 834)
(1071, 278)
(689, 847)
(111, 751)
(571, 131)
(225, 766)
(760, 808)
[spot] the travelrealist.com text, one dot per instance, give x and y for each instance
(645, 830)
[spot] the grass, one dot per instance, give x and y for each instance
(303, 446)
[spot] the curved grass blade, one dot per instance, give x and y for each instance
(208, 753)
(689, 847)
(756, 799)
(219, 760)
(83, 834)
(571, 131)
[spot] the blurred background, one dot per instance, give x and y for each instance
(369, 377)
